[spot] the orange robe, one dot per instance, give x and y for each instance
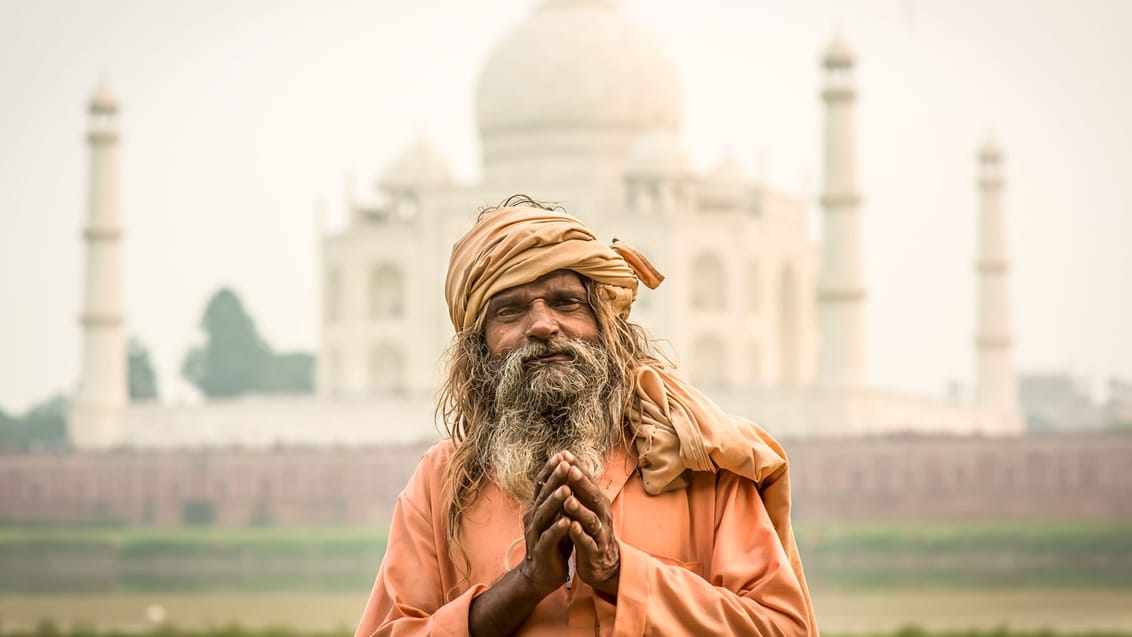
(702, 560)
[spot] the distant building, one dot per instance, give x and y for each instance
(1057, 402)
(1118, 408)
(578, 105)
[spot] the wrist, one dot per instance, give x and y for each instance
(607, 590)
(608, 587)
(529, 581)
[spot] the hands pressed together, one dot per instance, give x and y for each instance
(569, 513)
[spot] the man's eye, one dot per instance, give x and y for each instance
(507, 311)
(570, 304)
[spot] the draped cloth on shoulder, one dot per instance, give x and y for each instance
(675, 428)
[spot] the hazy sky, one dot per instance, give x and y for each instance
(239, 116)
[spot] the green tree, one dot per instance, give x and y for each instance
(290, 373)
(235, 360)
(44, 425)
(142, 379)
(9, 429)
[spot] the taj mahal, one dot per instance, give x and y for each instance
(578, 106)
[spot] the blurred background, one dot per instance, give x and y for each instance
(895, 234)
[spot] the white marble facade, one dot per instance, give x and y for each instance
(765, 318)
(738, 307)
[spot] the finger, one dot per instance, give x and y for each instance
(546, 484)
(548, 510)
(551, 463)
(570, 458)
(589, 519)
(547, 543)
(586, 490)
(584, 543)
(542, 513)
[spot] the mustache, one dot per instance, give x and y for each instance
(535, 350)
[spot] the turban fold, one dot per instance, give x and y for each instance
(514, 246)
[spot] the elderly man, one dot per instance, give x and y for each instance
(583, 488)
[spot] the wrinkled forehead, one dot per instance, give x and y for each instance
(558, 280)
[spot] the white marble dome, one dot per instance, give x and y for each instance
(419, 165)
(578, 65)
(728, 171)
(658, 155)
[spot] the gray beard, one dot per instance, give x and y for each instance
(542, 408)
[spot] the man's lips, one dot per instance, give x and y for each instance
(560, 357)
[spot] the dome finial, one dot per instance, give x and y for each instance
(990, 152)
(419, 165)
(103, 99)
(837, 52)
(555, 4)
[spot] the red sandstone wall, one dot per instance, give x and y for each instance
(1049, 476)
(1053, 476)
(286, 486)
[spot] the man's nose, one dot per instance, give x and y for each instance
(543, 324)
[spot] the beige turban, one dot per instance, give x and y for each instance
(514, 246)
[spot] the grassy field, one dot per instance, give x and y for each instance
(838, 612)
(269, 539)
(866, 578)
(1064, 537)
(986, 555)
(951, 556)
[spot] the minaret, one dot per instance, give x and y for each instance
(995, 384)
(96, 416)
(841, 291)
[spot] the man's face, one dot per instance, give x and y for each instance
(552, 306)
(549, 378)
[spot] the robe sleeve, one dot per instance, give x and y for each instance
(748, 586)
(408, 596)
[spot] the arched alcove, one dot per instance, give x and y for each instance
(754, 287)
(755, 364)
(709, 362)
(709, 283)
(334, 371)
(788, 327)
(386, 370)
(332, 296)
(387, 291)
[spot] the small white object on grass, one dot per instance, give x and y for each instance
(155, 613)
